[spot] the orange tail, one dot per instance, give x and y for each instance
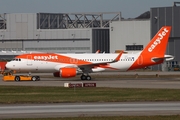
(155, 50)
(157, 45)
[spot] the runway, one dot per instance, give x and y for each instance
(89, 109)
(110, 79)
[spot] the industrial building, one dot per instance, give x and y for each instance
(49, 32)
(129, 35)
(169, 16)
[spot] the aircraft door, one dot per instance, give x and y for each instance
(29, 60)
(140, 60)
(73, 61)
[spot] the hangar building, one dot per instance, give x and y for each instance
(50, 32)
(129, 35)
(169, 16)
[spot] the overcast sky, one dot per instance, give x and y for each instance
(128, 8)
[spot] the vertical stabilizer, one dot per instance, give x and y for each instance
(154, 52)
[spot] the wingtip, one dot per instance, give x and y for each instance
(119, 56)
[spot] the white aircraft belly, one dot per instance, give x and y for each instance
(35, 66)
(121, 65)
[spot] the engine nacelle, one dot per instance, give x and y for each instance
(66, 72)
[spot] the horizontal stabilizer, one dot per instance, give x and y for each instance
(166, 58)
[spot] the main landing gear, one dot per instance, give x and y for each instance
(85, 77)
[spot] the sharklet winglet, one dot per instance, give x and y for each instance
(118, 57)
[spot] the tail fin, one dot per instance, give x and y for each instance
(154, 52)
(157, 46)
(98, 51)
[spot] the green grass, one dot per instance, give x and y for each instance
(34, 94)
(173, 117)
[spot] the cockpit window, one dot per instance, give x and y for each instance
(16, 59)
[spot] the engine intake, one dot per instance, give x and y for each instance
(66, 72)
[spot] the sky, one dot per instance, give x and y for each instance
(128, 8)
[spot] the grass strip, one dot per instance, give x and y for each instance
(37, 94)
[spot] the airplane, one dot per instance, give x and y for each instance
(70, 65)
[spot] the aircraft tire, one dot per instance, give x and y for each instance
(88, 77)
(83, 77)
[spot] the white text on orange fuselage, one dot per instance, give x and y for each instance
(48, 57)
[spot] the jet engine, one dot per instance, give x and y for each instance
(66, 72)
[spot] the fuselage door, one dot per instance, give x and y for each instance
(140, 60)
(29, 60)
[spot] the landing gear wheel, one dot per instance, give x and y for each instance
(83, 77)
(17, 78)
(88, 77)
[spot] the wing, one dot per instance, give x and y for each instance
(87, 67)
(101, 63)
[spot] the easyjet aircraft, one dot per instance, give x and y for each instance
(70, 65)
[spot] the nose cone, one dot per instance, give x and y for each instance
(8, 65)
